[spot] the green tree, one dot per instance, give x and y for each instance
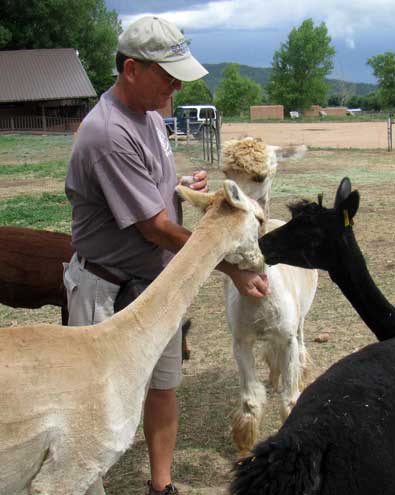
(300, 66)
(193, 93)
(5, 36)
(372, 102)
(335, 100)
(85, 25)
(384, 69)
(235, 93)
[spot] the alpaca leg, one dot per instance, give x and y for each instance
(65, 315)
(271, 355)
(306, 363)
(290, 371)
(303, 358)
(247, 419)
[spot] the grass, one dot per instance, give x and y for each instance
(24, 148)
(26, 159)
(53, 169)
(48, 211)
(311, 186)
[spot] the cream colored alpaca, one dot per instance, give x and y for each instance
(252, 164)
(278, 318)
(71, 397)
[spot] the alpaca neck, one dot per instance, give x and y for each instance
(145, 327)
(350, 273)
(264, 202)
(264, 198)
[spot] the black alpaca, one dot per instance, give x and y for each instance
(340, 437)
(319, 237)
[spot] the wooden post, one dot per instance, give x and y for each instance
(44, 126)
(389, 131)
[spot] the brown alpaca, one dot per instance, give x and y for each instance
(31, 272)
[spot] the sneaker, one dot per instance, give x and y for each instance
(168, 490)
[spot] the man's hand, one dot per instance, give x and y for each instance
(247, 283)
(250, 283)
(199, 181)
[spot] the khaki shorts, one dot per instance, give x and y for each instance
(91, 300)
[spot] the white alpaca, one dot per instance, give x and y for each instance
(71, 397)
(278, 318)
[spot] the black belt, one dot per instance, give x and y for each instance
(99, 271)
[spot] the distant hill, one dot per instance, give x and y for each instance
(261, 76)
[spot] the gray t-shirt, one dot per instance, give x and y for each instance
(121, 171)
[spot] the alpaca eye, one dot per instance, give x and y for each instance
(259, 178)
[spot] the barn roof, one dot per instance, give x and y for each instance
(45, 74)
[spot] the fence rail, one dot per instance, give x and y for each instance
(208, 133)
(211, 139)
(17, 123)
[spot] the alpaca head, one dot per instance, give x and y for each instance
(308, 240)
(252, 164)
(241, 216)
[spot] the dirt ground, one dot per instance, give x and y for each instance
(320, 134)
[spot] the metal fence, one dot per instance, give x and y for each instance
(37, 123)
(209, 135)
(211, 139)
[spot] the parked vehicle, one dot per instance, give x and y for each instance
(196, 116)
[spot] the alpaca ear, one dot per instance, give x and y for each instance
(196, 198)
(350, 205)
(235, 196)
(343, 191)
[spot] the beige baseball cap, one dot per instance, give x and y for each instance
(158, 40)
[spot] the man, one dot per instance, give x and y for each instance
(126, 216)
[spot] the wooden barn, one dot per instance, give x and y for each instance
(43, 90)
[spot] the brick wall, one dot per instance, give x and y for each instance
(338, 111)
(313, 111)
(267, 112)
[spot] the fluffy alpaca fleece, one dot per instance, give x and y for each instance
(339, 438)
(278, 318)
(248, 154)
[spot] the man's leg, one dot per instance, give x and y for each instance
(161, 413)
(160, 429)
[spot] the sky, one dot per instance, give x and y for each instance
(250, 31)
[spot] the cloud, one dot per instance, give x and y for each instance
(249, 31)
(339, 27)
(345, 20)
